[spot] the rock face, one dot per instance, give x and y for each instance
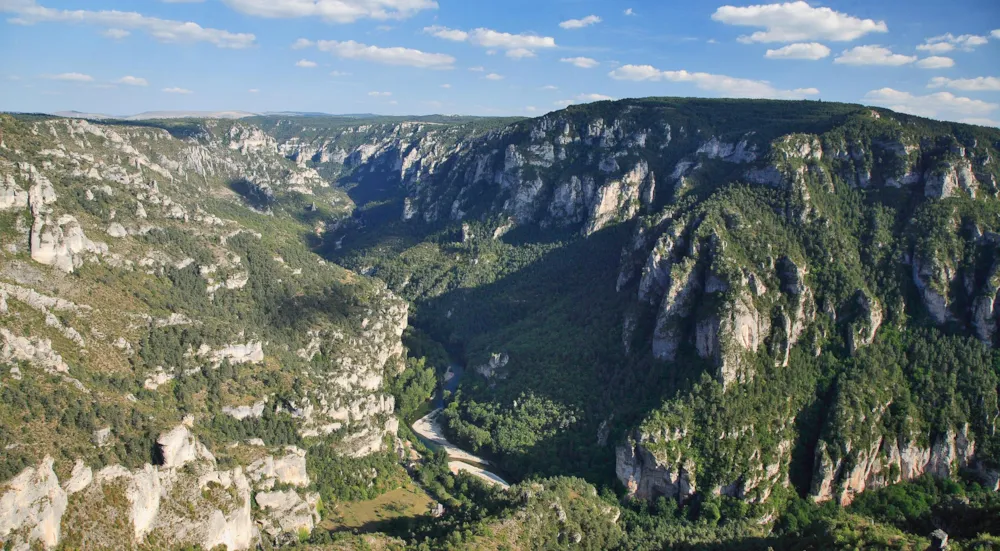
(35, 351)
(179, 447)
(12, 197)
(289, 470)
(932, 280)
(356, 403)
(951, 179)
(647, 478)
(677, 304)
(32, 507)
(61, 243)
(887, 461)
(287, 512)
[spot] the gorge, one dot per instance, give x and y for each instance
(214, 331)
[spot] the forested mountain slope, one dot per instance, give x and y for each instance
(727, 297)
(146, 310)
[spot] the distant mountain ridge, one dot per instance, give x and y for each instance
(151, 115)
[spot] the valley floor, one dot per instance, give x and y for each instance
(429, 429)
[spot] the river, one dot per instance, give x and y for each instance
(429, 429)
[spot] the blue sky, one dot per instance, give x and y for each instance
(491, 57)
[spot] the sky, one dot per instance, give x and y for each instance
(934, 58)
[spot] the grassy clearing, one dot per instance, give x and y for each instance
(408, 501)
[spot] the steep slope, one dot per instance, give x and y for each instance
(147, 307)
(779, 252)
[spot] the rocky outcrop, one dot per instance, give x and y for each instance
(932, 279)
(677, 304)
(34, 350)
(12, 197)
(948, 180)
(287, 512)
(740, 152)
(866, 323)
(251, 352)
(726, 337)
(986, 306)
(492, 368)
(888, 460)
(647, 478)
(61, 243)
(289, 470)
(179, 447)
(32, 507)
(619, 199)
(351, 399)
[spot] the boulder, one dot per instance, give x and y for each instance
(117, 230)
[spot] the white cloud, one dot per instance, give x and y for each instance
(581, 62)
(133, 81)
(580, 23)
(583, 98)
(549, 87)
(940, 105)
(335, 11)
(454, 35)
(873, 55)
(305, 64)
(936, 62)
(493, 76)
(630, 11)
(177, 91)
(385, 56)
(948, 42)
(520, 53)
(797, 21)
(116, 34)
(446, 86)
(802, 50)
(380, 94)
(936, 48)
(71, 77)
(978, 84)
(253, 90)
(515, 45)
(477, 69)
(531, 109)
(339, 74)
(981, 121)
(165, 30)
(594, 97)
(996, 34)
(722, 85)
